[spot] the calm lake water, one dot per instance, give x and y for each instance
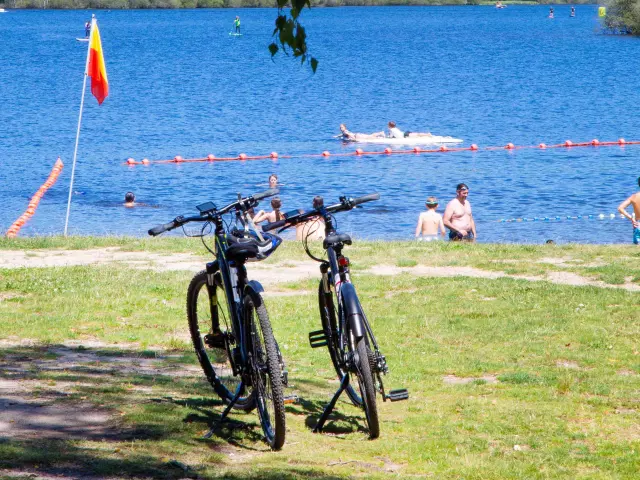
(181, 85)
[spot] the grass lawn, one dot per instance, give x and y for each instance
(508, 378)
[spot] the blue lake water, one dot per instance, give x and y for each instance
(179, 84)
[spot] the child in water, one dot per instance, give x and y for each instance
(430, 222)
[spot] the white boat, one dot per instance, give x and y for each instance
(2, 10)
(427, 140)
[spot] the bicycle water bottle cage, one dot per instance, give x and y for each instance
(333, 240)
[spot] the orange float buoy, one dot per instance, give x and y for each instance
(178, 159)
(416, 150)
(31, 210)
(595, 142)
(621, 141)
(131, 161)
(211, 157)
(568, 143)
(473, 146)
(509, 146)
(443, 148)
(145, 161)
(388, 150)
(359, 151)
(274, 155)
(325, 154)
(242, 156)
(542, 145)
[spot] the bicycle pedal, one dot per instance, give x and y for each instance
(318, 339)
(291, 399)
(398, 395)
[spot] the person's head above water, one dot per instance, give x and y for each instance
(129, 197)
(273, 180)
(431, 203)
(343, 127)
(318, 201)
(276, 203)
(392, 124)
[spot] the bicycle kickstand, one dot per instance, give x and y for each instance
(344, 383)
(226, 411)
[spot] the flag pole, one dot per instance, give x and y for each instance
(75, 151)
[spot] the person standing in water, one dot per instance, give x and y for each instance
(458, 217)
(573, 11)
(430, 222)
(236, 24)
(551, 12)
(633, 200)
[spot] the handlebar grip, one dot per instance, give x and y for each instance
(268, 193)
(157, 230)
(274, 225)
(366, 198)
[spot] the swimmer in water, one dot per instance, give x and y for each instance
(551, 12)
(270, 217)
(129, 200)
(273, 181)
(634, 201)
(573, 11)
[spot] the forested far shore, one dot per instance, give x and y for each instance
(133, 4)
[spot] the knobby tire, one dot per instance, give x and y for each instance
(267, 374)
(327, 316)
(367, 388)
(215, 362)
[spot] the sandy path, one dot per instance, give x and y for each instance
(266, 273)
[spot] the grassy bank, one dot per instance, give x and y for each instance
(508, 378)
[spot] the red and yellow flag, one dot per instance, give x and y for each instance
(97, 69)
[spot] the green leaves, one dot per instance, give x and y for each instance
(291, 37)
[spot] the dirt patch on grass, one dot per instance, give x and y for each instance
(273, 273)
(455, 380)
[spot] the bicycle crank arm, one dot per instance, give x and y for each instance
(398, 395)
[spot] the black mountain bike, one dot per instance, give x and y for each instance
(345, 330)
(229, 324)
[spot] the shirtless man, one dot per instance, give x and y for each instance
(458, 217)
(395, 132)
(347, 135)
(635, 201)
(312, 229)
(430, 222)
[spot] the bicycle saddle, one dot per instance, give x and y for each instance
(332, 240)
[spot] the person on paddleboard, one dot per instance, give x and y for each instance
(87, 29)
(395, 132)
(236, 24)
(347, 135)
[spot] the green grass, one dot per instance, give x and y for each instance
(565, 358)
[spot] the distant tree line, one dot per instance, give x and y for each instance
(623, 16)
(132, 4)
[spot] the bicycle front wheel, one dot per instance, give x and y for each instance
(266, 371)
(212, 336)
(328, 318)
(367, 388)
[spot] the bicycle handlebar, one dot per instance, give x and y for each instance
(345, 204)
(248, 202)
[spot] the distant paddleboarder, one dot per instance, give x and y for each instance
(551, 12)
(87, 29)
(573, 11)
(236, 24)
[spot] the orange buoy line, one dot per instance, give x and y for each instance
(387, 151)
(35, 200)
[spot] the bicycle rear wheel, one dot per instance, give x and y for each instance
(367, 388)
(266, 371)
(208, 309)
(328, 318)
